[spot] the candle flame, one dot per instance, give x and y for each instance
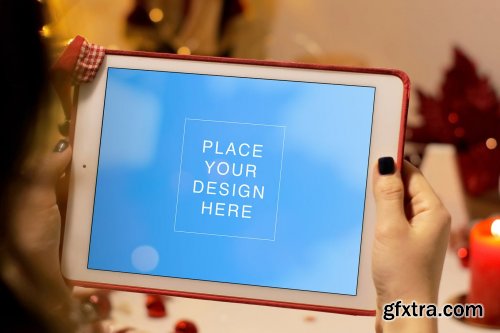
(495, 228)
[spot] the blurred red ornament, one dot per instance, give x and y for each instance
(155, 305)
(185, 326)
(463, 255)
(467, 115)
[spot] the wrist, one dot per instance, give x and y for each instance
(408, 315)
(420, 294)
(410, 325)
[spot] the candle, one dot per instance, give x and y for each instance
(484, 264)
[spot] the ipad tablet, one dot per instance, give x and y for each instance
(232, 180)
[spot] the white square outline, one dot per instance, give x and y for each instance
(180, 171)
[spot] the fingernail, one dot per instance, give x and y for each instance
(61, 146)
(386, 165)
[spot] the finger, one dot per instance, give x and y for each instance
(52, 165)
(389, 192)
(419, 192)
(61, 157)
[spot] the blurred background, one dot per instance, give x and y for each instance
(415, 36)
(448, 48)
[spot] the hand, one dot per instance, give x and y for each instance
(411, 238)
(36, 219)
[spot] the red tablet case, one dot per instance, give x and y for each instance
(66, 64)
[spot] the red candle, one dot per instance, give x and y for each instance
(484, 264)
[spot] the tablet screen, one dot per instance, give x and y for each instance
(236, 180)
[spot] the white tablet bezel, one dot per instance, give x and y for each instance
(385, 141)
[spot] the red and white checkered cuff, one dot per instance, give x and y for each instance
(88, 63)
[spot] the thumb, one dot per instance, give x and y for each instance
(389, 192)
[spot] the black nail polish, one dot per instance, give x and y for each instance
(61, 146)
(386, 166)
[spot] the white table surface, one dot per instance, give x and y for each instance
(215, 317)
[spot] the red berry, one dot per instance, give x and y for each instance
(156, 307)
(185, 326)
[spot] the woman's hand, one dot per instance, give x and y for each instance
(411, 238)
(36, 217)
(37, 230)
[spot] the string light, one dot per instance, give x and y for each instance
(491, 143)
(156, 15)
(184, 50)
(453, 118)
(45, 31)
(462, 252)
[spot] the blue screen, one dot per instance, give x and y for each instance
(237, 180)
